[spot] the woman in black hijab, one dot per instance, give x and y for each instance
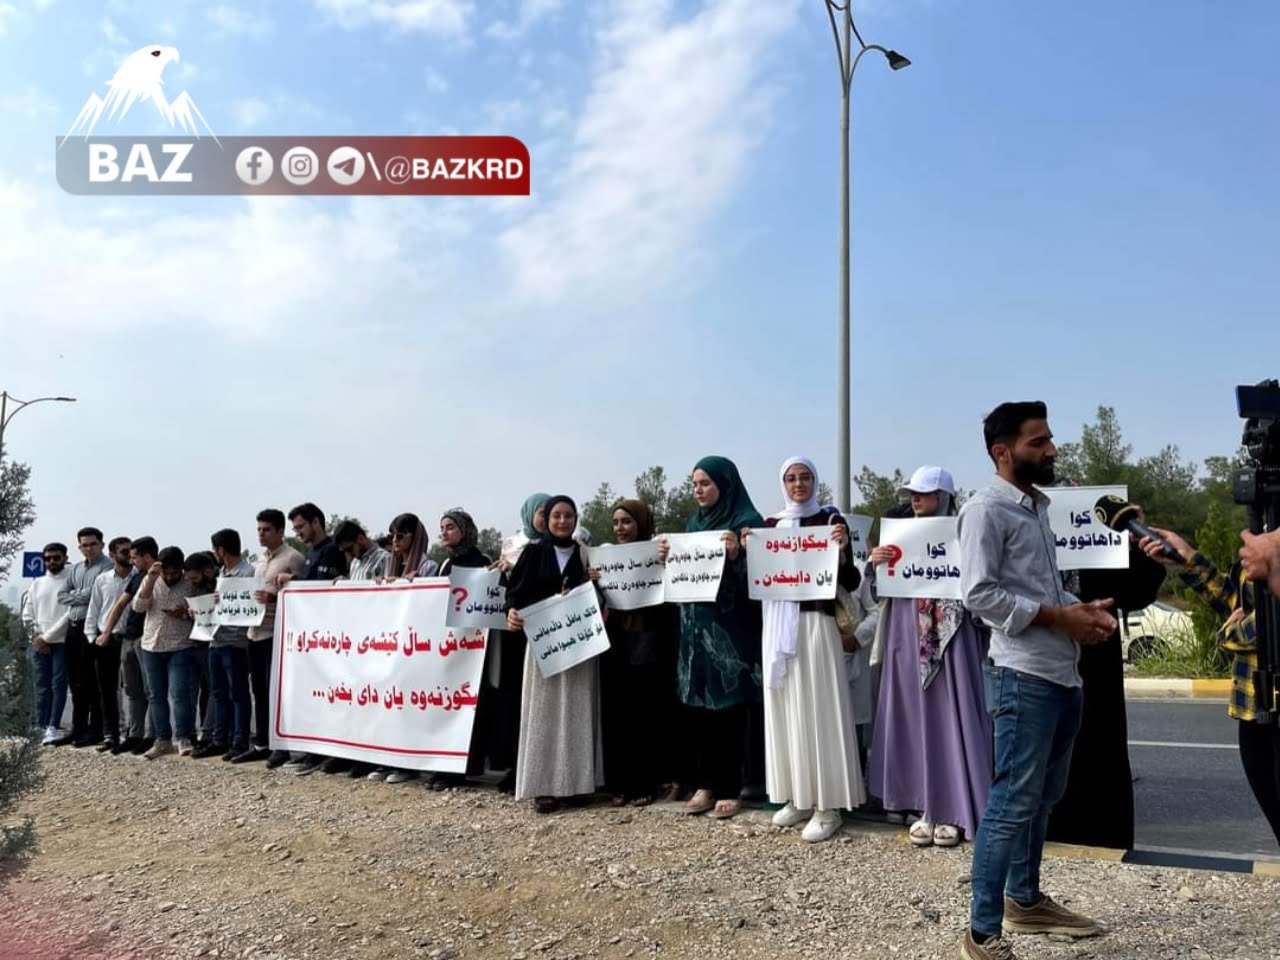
(559, 756)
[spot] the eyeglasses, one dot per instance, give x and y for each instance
(54, 558)
(398, 534)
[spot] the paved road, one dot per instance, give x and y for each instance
(1192, 797)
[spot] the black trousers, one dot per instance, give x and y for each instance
(105, 660)
(637, 705)
(1260, 755)
(720, 739)
(86, 708)
(260, 683)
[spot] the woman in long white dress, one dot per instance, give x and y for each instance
(811, 739)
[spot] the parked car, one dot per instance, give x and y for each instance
(1159, 623)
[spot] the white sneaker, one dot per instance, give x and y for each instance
(159, 749)
(823, 825)
(790, 816)
(378, 775)
(50, 735)
(185, 748)
(401, 776)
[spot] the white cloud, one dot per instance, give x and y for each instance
(111, 33)
(27, 102)
(445, 17)
(675, 109)
(249, 112)
(528, 13)
(234, 21)
(8, 12)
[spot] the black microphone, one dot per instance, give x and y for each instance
(1120, 515)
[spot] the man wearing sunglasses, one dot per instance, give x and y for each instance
(46, 623)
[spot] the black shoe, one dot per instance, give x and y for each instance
(107, 745)
(143, 745)
(443, 781)
(208, 750)
(251, 755)
(233, 752)
(310, 764)
(508, 783)
(359, 771)
(124, 746)
(62, 741)
(277, 758)
(335, 765)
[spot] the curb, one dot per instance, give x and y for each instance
(1154, 687)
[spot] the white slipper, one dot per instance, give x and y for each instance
(921, 833)
(945, 835)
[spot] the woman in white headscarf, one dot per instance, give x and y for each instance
(811, 740)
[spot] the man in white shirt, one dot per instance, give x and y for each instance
(105, 643)
(46, 622)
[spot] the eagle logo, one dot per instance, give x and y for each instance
(139, 78)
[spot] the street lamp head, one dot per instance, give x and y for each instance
(896, 60)
(65, 399)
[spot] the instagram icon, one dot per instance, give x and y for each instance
(299, 166)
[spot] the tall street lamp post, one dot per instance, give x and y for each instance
(845, 32)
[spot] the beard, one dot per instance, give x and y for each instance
(1039, 472)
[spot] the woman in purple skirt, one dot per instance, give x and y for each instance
(931, 751)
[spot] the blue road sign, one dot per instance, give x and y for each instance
(33, 564)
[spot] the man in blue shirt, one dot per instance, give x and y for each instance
(1009, 578)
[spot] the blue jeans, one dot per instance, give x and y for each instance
(1035, 725)
(50, 671)
(229, 691)
(169, 674)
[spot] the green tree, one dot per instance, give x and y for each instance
(490, 542)
(20, 771)
(879, 491)
(17, 511)
(825, 496)
(338, 519)
(1100, 456)
(596, 516)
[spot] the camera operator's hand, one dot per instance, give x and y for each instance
(1085, 623)
(1155, 549)
(1260, 556)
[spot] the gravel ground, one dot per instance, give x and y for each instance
(183, 858)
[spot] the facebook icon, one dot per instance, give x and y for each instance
(33, 564)
(254, 166)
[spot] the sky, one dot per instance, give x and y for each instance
(1068, 202)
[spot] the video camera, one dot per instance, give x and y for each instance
(1257, 486)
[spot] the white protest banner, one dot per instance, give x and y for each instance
(236, 606)
(792, 563)
(205, 624)
(926, 560)
(630, 574)
(370, 672)
(695, 564)
(565, 630)
(860, 535)
(477, 599)
(1084, 543)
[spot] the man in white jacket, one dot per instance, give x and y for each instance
(46, 622)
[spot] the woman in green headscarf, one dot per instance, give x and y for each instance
(718, 669)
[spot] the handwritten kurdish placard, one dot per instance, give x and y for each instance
(477, 599)
(205, 624)
(631, 576)
(236, 606)
(565, 630)
(792, 563)
(859, 535)
(371, 672)
(1083, 542)
(695, 565)
(926, 560)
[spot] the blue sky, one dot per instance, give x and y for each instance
(1068, 202)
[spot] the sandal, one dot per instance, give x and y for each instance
(921, 833)
(945, 835)
(700, 802)
(726, 809)
(644, 801)
(617, 800)
(545, 805)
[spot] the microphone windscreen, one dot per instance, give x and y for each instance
(1114, 512)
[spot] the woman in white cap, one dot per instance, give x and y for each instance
(931, 750)
(811, 739)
